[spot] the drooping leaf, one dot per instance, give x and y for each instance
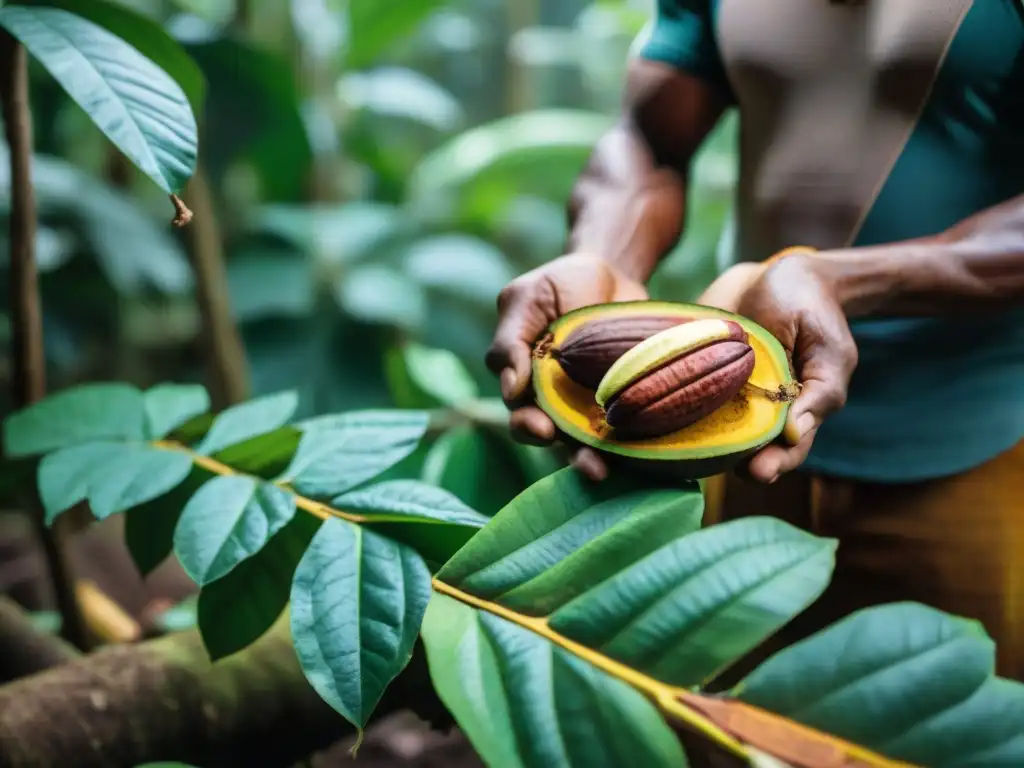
(112, 477)
(357, 603)
(373, 28)
(139, 107)
(236, 610)
(228, 520)
(145, 35)
(168, 406)
(904, 679)
(524, 702)
(247, 420)
(85, 413)
(149, 527)
(337, 453)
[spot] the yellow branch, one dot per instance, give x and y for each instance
(727, 722)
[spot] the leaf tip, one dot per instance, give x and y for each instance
(182, 213)
(354, 749)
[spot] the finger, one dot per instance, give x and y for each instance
(510, 355)
(773, 461)
(530, 425)
(589, 463)
(818, 398)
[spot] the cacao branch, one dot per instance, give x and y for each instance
(28, 359)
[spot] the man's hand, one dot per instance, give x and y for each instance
(798, 305)
(526, 307)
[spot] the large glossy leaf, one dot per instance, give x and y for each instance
(904, 679)
(247, 420)
(425, 377)
(340, 452)
(135, 103)
(525, 702)
(236, 610)
(144, 34)
(112, 477)
(373, 28)
(622, 570)
(229, 520)
(85, 413)
(357, 603)
(168, 406)
(476, 174)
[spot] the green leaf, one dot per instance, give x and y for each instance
(461, 267)
(478, 466)
(139, 107)
(909, 680)
(409, 499)
(267, 285)
(145, 35)
(696, 605)
(373, 28)
(87, 412)
(236, 610)
(338, 453)
(168, 406)
(112, 477)
(149, 527)
(247, 420)
(265, 455)
(356, 606)
(565, 535)
(621, 568)
(376, 293)
(231, 518)
(479, 172)
(437, 377)
(526, 703)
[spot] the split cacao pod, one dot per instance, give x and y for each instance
(684, 388)
(589, 351)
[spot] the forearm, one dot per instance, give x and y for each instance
(976, 265)
(625, 208)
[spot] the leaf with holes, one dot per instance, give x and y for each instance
(229, 519)
(136, 104)
(338, 453)
(357, 603)
(525, 702)
(112, 477)
(904, 679)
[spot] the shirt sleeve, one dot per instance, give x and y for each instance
(682, 34)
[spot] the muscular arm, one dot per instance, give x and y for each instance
(977, 264)
(629, 204)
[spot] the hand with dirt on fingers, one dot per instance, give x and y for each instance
(526, 307)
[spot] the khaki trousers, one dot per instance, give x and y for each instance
(955, 543)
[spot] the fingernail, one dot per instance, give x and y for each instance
(775, 477)
(508, 384)
(805, 423)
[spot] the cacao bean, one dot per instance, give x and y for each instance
(682, 391)
(590, 350)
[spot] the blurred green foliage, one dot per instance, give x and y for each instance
(379, 172)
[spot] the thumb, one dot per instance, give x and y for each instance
(818, 398)
(510, 355)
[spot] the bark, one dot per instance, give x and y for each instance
(25, 650)
(226, 361)
(28, 360)
(164, 700)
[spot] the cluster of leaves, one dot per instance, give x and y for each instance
(562, 631)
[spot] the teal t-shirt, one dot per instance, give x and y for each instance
(940, 91)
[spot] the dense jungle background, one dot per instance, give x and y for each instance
(371, 174)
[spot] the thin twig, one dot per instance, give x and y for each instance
(226, 361)
(28, 362)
